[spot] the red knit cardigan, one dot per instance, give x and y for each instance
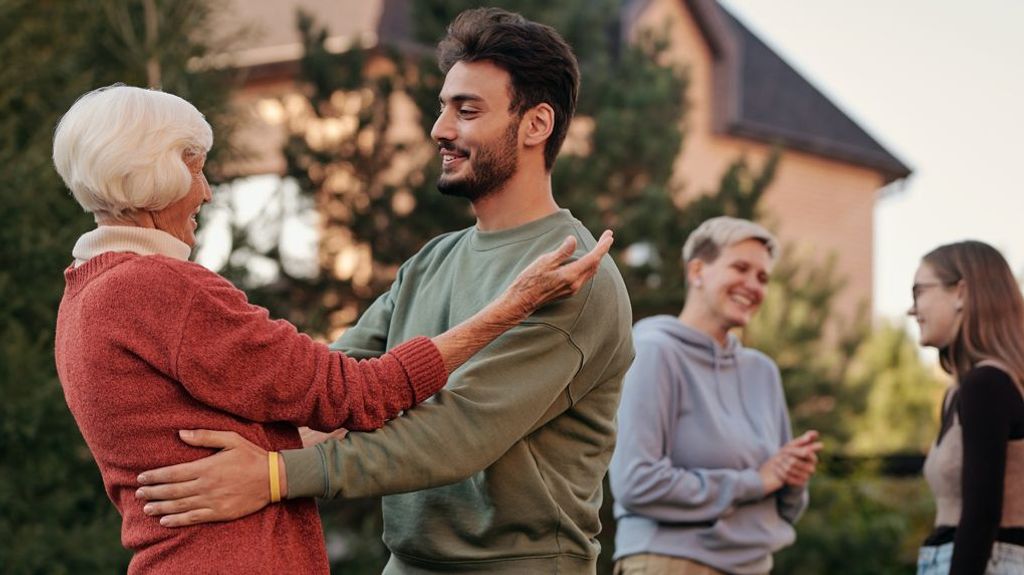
(148, 345)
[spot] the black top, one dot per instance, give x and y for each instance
(991, 412)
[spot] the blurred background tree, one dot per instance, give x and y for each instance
(54, 514)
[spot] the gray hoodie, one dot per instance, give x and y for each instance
(696, 422)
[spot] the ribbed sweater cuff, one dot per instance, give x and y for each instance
(306, 469)
(422, 362)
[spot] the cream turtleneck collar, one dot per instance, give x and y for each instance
(142, 241)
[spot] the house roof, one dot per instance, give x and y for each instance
(760, 96)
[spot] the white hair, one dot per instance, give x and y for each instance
(711, 237)
(121, 148)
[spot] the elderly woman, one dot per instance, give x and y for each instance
(969, 306)
(148, 343)
(706, 477)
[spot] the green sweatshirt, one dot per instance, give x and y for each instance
(500, 471)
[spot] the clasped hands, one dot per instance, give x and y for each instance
(793, 464)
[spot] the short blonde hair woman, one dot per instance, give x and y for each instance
(969, 306)
(148, 343)
(706, 476)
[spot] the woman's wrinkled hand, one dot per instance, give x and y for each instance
(549, 277)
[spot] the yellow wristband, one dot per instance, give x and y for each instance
(275, 479)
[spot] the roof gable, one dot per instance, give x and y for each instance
(759, 96)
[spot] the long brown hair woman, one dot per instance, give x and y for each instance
(969, 306)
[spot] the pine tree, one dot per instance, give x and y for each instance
(55, 515)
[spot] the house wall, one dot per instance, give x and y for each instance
(820, 206)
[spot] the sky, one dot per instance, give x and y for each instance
(940, 83)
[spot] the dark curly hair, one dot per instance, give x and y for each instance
(540, 63)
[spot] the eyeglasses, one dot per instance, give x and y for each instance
(919, 288)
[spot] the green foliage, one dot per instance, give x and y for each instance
(897, 396)
(52, 500)
(859, 525)
(624, 183)
(54, 515)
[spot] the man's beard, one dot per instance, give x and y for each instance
(493, 165)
